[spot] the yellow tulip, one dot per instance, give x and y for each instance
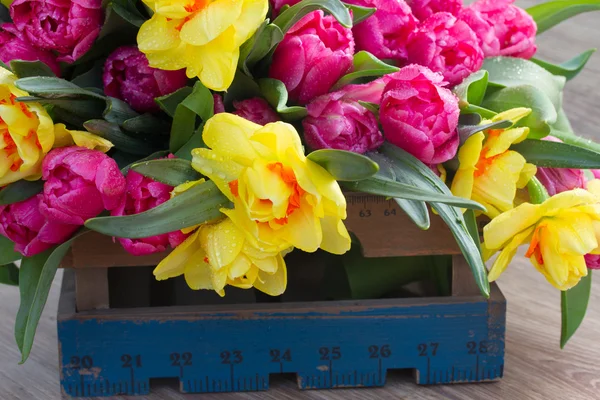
(281, 199)
(27, 133)
(489, 172)
(203, 36)
(560, 232)
(216, 255)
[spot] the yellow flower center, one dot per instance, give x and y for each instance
(534, 246)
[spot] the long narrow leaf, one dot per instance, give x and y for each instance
(20, 191)
(7, 251)
(569, 69)
(9, 274)
(452, 216)
(195, 206)
(344, 165)
(552, 13)
(573, 304)
(173, 171)
(548, 154)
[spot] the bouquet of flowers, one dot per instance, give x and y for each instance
(225, 130)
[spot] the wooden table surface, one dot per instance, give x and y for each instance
(535, 367)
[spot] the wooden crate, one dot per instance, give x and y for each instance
(212, 346)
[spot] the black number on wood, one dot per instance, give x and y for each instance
(131, 362)
(231, 357)
(81, 362)
(330, 353)
(428, 350)
(389, 213)
(179, 359)
(365, 213)
(278, 356)
(376, 352)
(477, 348)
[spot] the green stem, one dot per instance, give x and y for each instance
(473, 109)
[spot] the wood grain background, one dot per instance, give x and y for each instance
(536, 368)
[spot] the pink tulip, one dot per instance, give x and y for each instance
(446, 45)
(385, 34)
(419, 115)
(14, 46)
(558, 180)
(142, 195)
(256, 110)
(314, 54)
(596, 173)
(503, 29)
(423, 9)
(127, 76)
(68, 27)
(29, 230)
(80, 184)
(337, 121)
(219, 107)
(592, 261)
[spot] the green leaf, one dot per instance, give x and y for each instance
(35, 279)
(452, 216)
(365, 65)
(4, 17)
(113, 133)
(169, 102)
(471, 224)
(171, 171)
(359, 14)
(466, 131)
(569, 69)
(344, 165)
(289, 17)
(81, 108)
(472, 90)
(416, 210)
(544, 153)
(482, 112)
(243, 87)
(117, 111)
(147, 124)
(7, 251)
(25, 69)
(573, 305)
(572, 139)
(552, 13)
(373, 107)
(516, 72)
(195, 142)
(259, 46)
(276, 94)
(20, 190)
(9, 274)
(128, 11)
(91, 78)
(195, 206)
(153, 156)
(381, 186)
(54, 88)
(543, 113)
(199, 103)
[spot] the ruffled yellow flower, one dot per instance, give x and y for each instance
(489, 172)
(203, 36)
(27, 133)
(281, 199)
(216, 255)
(560, 232)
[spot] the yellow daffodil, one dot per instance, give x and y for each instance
(6, 3)
(27, 133)
(203, 36)
(560, 232)
(216, 255)
(489, 172)
(281, 199)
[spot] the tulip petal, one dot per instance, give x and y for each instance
(210, 22)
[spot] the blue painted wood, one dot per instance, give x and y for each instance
(236, 348)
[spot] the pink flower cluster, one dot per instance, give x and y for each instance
(50, 31)
(437, 44)
(80, 184)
